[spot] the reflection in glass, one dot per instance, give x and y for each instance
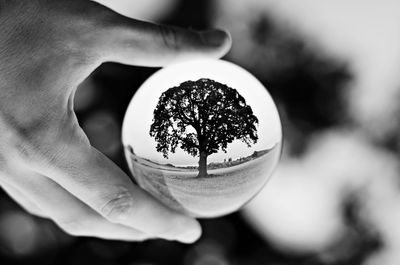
(202, 136)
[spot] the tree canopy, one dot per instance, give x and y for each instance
(202, 116)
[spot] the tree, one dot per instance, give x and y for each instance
(202, 117)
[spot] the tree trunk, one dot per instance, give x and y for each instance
(203, 164)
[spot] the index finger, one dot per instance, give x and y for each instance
(98, 182)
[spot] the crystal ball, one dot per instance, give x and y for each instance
(202, 136)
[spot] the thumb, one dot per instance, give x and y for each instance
(136, 42)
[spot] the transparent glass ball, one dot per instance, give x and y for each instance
(202, 136)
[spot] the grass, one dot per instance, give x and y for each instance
(224, 190)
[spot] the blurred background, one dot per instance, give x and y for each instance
(332, 67)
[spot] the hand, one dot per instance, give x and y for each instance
(48, 47)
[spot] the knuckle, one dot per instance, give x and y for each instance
(119, 205)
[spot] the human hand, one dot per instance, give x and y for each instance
(47, 48)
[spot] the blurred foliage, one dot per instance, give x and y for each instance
(307, 88)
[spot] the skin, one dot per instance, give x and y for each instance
(47, 48)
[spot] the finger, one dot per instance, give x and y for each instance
(98, 182)
(136, 42)
(22, 200)
(68, 212)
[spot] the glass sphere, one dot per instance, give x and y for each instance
(202, 136)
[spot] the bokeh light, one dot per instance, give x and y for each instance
(103, 131)
(207, 253)
(85, 95)
(18, 233)
(331, 67)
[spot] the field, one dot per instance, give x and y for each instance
(224, 190)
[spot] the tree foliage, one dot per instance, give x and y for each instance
(202, 116)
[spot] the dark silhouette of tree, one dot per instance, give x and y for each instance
(202, 117)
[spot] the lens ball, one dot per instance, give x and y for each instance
(202, 136)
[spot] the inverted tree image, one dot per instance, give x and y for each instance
(202, 117)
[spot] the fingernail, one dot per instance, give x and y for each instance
(214, 37)
(190, 234)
